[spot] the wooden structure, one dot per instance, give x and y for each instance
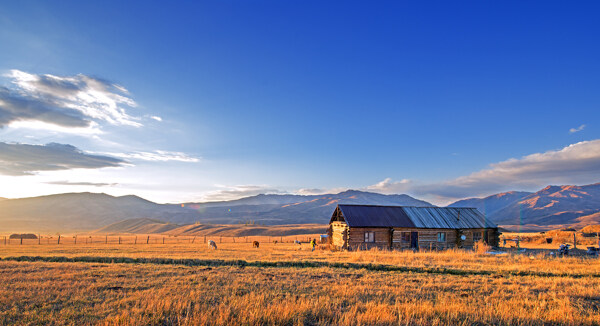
(406, 227)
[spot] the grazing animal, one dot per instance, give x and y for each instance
(275, 242)
(297, 242)
(212, 244)
(255, 244)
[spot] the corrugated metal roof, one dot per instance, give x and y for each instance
(414, 217)
(375, 216)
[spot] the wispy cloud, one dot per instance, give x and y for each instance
(92, 184)
(578, 129)
(25, 159)
(387, 185)
(66, 101)
(574, 164)
(158, 156)
(239, 191)
(157, 118)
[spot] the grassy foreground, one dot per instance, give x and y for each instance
(288, 284)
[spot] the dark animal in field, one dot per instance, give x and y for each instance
(255, 244)
(275, 242)
(212, 244)
(297, 242)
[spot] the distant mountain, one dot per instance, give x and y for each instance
(550, 208)
(88, 211)
(491, 204)
(74, 211)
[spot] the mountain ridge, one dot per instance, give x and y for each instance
(550, 207)
(90, 211)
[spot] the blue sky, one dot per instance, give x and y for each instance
(435, 99)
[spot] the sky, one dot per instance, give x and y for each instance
(217, 100)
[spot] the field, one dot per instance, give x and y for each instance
(187, 284)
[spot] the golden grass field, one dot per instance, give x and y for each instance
(285, 283)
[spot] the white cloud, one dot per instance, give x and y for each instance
(80, 183)
(578, 129)
(157, 118)
(24, 159)
(158, 156)
(67, 101)
(239, 191)
(574, 164)
(92, 129)
(389, 186)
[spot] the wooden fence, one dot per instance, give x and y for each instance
(148, 239)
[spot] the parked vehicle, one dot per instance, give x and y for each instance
(563, 249)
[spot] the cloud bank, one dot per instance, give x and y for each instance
(69, 183)
(68, 101)
(574, 164)
(240, 191)
(24, 159)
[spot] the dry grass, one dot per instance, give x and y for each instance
(548, 290)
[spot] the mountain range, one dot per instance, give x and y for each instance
(88, 211)
(549, 208)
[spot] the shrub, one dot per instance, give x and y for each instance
(481, 247)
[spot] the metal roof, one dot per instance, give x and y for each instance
(414, 217)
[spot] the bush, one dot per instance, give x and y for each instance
(23, 236)
(481, 247)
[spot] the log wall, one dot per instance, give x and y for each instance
(339, 234)
(428, 238)
(356, 238)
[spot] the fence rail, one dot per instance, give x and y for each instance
(84, 239)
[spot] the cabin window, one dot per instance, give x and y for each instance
(369, 236)
(406, 237)
(477, 236)
(441, 237)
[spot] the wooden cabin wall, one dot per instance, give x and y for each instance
(339, 234)
(356, 238)
(427, 238)
(490, 236)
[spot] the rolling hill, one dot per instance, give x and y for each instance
(91, 211)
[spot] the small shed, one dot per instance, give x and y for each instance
(408, 227)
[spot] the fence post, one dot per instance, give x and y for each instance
(204, 239)
(5, 240)
(163, 240)
(574, 240)
(106, 240)
(233, 239)
(58, 242)
(148, 240)
(21, 239)
(135, 242)
(119, 240)
(220, 239)
(75, 237)
(281, 239)
(194, 239)
(39, 239)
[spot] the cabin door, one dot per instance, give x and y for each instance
(414, 240)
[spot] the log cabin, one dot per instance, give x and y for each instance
(405, 227)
